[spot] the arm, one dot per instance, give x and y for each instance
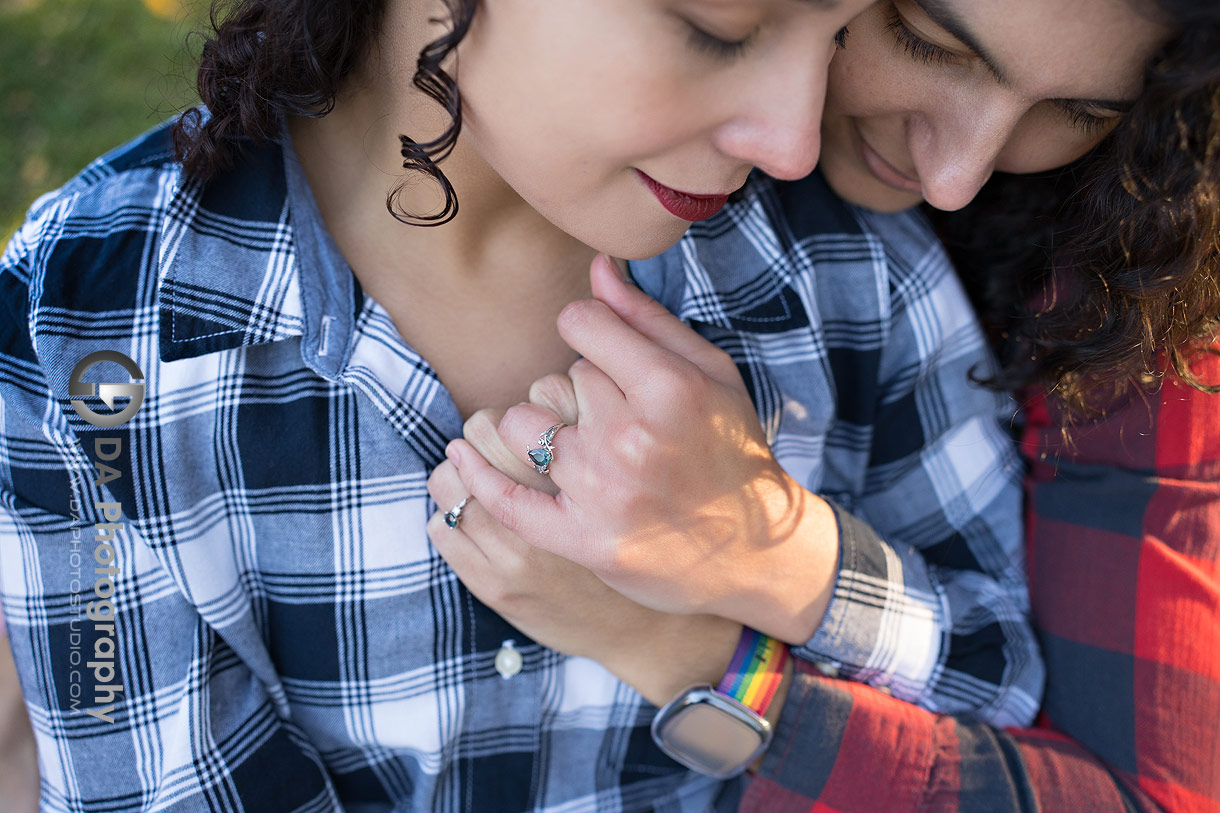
(1124, 535)
(931, 600)
(683, 550)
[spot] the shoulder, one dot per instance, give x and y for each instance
(882, 279)
(123, 178)
(804, 222)
(81, 251)
(106, 199)
(902, 246)
(85, 267)
(809, 210)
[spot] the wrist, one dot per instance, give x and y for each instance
(721, 729)
(786, 589)
(673, 652)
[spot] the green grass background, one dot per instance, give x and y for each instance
(78, 77)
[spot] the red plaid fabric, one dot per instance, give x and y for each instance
(1124, 562)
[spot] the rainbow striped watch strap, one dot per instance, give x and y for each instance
(756, 670)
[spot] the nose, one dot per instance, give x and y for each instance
(778, 126)
(955, 148)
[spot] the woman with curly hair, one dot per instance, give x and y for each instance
(1100, 282)
(228, 371)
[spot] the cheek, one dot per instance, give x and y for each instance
(583, 87)
(868, 78)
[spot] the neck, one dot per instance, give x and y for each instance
(352, 159)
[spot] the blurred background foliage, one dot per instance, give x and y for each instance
(78, 77)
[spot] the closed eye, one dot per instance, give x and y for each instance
(1081, 117)
(917, 46)
(706, 43)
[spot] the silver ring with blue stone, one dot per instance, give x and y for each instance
(454, 515)
(542, 456)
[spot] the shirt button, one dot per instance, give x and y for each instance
(508, 660)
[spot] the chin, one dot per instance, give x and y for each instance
(641, 242)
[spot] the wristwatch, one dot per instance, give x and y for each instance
(720, 731)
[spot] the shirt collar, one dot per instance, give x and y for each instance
(227, 269)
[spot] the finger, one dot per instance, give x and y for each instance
(465, 558)
(482, 530)
(596, 392)
(557, 393)
(632, 360)
(652, 320)
(536, 517)
(521, 427)
(447, 490)
(445, 487)
(482, 431)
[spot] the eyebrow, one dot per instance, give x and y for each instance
(945, 17)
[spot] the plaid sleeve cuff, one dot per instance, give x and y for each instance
(885, 622)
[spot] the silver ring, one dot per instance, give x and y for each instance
(543, 455)
(454, 515)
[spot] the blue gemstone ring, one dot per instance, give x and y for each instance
(454, 515)
(541, 457)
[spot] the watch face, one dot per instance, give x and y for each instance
(710, 733)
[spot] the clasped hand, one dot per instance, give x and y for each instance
(668, 491)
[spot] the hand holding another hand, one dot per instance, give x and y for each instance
(669, 492)
(558, 603)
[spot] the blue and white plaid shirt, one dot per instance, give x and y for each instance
(283, 635)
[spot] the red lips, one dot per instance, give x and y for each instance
(684, 204)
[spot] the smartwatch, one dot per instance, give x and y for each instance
(720, 731)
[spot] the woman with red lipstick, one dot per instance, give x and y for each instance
(287, 279)
(1099, 280)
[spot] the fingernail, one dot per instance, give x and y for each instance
(610, 265)
(451, 452)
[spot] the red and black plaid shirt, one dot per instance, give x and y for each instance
(1124, 564)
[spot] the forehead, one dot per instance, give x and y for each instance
(1062, 48)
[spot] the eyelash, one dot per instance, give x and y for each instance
(1082, 119)
(930, 54)
(706, 43)
(916, 46)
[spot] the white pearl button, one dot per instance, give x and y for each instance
(508, 660)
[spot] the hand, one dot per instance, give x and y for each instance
(669, 492)
(563, 606)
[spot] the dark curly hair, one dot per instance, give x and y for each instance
(1102, 276)
(268, 58)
